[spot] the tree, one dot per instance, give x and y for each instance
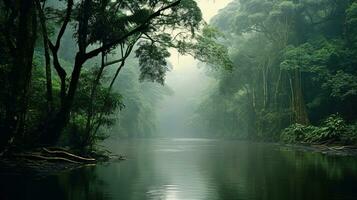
(105, 32)
(19, 29)
(102, 26)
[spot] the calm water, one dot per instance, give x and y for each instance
(173, 169)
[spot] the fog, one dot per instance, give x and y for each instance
(188, 81)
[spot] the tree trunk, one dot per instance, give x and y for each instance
(96, 83)
(54, 128)
(49, 95)
(252, 120)
(298, 103)
(20, 73)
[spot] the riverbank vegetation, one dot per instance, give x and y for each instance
(294, 73)
(60, 62)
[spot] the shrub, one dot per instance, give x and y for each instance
(332, 130)
(295, 133)
(350, 136)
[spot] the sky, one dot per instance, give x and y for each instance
(211, 7)
(187, 80)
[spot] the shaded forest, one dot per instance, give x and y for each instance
(76, 72)
(294, 73)
(60, 62)
(203, 99)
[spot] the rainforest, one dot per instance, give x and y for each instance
(178, 99)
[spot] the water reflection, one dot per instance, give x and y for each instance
(175, 169)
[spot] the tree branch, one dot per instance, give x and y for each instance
(47, 56)
(55, 47)
(65, 23)
(126, 55)
(140, 28)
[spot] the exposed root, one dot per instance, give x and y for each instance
(69, 155)
(37, 156)
(55, 155)
(336, 148)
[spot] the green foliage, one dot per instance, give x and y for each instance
(286, 60)
(206, 48)
(332, 130)
(342, 84)
(141, 99)
(350, 136)
(295, 133)
(293, 61)
(111, 100)
(75, 135)
(105, 107)
(351, 16)
(78, 99)
(152, 61)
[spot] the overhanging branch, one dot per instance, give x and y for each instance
(138, 29)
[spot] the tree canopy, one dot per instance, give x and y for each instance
(105, 33)
(294, 61)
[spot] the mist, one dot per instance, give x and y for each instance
(188, 80)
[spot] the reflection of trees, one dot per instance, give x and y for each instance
(132, 178)
(332, 167)
(224, 170)
(260, 171)
(83, 183)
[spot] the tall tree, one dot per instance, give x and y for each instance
(19, 25)
(154, 26)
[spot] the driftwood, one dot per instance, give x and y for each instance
(56, 155)
(336, 148)
(41, 157)
(69, 155)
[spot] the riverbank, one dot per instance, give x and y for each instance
(328, 149)
(323, 149)
(44, 162)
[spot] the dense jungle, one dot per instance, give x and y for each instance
(178, 99)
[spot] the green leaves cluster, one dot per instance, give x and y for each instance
(332, 130)
(152, 61)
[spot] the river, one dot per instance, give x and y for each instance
(198, 169)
